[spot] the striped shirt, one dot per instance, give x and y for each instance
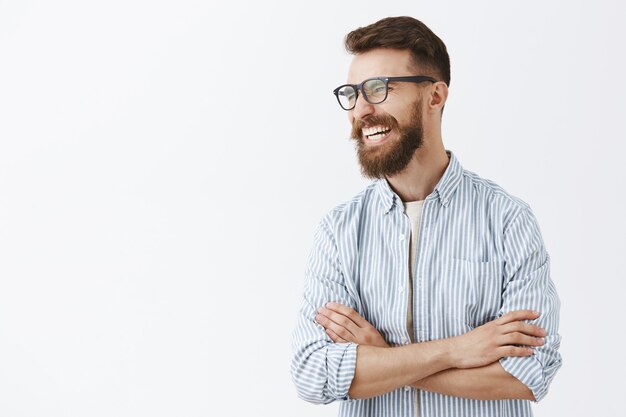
(480, 255)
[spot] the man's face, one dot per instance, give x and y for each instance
(399, 117)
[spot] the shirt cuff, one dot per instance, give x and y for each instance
(341, 363)
(529, 371)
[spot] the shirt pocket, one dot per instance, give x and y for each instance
(471, 291)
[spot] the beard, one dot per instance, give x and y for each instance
(393, 156)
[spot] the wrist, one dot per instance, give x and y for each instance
(449, 352)
(442, 354)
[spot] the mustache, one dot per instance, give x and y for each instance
(383, 119)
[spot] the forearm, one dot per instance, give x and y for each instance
(380, 370)
(489, 382)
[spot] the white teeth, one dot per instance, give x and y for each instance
(373, 130)
(374, 133)
(377, 136)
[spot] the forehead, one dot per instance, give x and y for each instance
(380, 62)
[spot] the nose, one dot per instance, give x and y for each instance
(362, 109)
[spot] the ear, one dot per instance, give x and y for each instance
(437, 97)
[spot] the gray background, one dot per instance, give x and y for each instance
(163, 166)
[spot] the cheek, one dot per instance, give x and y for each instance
(395, 110)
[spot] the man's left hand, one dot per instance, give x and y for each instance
(343, 324)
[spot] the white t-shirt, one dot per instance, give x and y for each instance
(413, 209)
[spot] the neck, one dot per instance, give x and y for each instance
(422, 174)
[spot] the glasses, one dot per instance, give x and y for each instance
(374, 90)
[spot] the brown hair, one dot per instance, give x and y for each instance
(429, 52)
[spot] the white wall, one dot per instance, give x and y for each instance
(163, 166)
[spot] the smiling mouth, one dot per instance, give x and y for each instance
(376, 133)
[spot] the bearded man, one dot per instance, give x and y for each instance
(428, 293)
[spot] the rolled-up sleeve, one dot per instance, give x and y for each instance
(322, 370)
(527, 285)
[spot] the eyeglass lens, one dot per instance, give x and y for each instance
(374, 90)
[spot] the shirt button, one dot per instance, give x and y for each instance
(401, 236)
(406, 388)
(401, 288)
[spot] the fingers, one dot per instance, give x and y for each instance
(517, 338)
(335, 337)
(349, 313)
(337, 322)
(344, 316)
(514, 351)
(335, 328)
(517, 315)
(526, 328)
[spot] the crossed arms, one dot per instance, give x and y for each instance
(506, 358)
(463, 366)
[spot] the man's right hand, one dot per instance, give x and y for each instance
(496, 339)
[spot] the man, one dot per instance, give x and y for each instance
(429, 292)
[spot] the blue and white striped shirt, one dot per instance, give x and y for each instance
(480, 255)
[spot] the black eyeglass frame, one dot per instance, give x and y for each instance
(359, 87)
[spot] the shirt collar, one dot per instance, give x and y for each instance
(443, 191)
